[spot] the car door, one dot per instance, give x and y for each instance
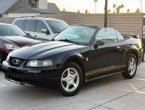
(20, 23)
(30, 27)
(39, 31)
(105, 58)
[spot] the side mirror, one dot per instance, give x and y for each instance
(28, 35)
(45, 31)
(136, 36)
(97, 43)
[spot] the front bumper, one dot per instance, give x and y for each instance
(30, 75)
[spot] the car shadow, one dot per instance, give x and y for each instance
(52, 92)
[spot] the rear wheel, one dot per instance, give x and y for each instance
(131, 67)
(143, 51)
(71, 80)
(143, 56)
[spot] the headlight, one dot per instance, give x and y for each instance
(11, 46)
(38, 63)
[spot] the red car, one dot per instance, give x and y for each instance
(11, 38)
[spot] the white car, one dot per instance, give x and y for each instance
(41, 28)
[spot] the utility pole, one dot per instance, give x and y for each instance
(141, 5)
(106, 13)
(95, 1)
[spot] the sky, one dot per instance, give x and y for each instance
(82, 5)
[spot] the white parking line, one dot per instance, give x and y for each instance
(140, 79)
(132, 88)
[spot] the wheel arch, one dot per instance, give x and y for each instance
(135, 52)
(79, 61)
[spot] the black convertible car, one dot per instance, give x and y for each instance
(79, 54)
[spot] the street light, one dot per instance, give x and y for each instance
(106, 12)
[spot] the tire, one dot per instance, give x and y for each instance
(131, 67)
(71, 80)
(143, 56)
(143, 52)
(0, 60)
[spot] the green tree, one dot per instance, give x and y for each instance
(86, 12)
(64, 10)
(137, 10)
(78, 11)
(109, 10)
(121, 7)
(118, 9)
(114, 6)
(128, 10)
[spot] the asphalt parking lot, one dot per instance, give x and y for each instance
(111, 93)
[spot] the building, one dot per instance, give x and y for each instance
(17, 8)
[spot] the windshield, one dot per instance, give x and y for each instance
(11, 30)
(57, 26)
(77, 34)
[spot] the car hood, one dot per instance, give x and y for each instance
(21, 41)
(42, 50)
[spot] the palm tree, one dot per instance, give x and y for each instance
(64, 10)
(109, 10)
(128, 10)
(137, 10)
(114, 6)
(78, 11)
(118, 9)
(95, 1)
(122, 6)
(86, 12)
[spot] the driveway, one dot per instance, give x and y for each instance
(111, 93)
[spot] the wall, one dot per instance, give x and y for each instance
(131, 23)
(10, 15)
(6, 20)
(19, 4)
(43, 4)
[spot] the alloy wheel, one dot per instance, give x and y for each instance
(132, 66)
(70, 79)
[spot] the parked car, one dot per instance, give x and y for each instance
(143, 41)
(143, 38)
(79, 54)
(11, 38)
(41, 28)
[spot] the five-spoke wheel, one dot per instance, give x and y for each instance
(71, 79)
(131, 67)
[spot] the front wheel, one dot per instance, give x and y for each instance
(0, 60)
(131, 67)
(71, 80)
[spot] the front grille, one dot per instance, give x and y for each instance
(15, 61)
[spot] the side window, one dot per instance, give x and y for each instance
(20, 24)
(30, 25)
(119, 36)
(40, 26)
(107, 35)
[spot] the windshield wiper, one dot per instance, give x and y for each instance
(67, 40)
